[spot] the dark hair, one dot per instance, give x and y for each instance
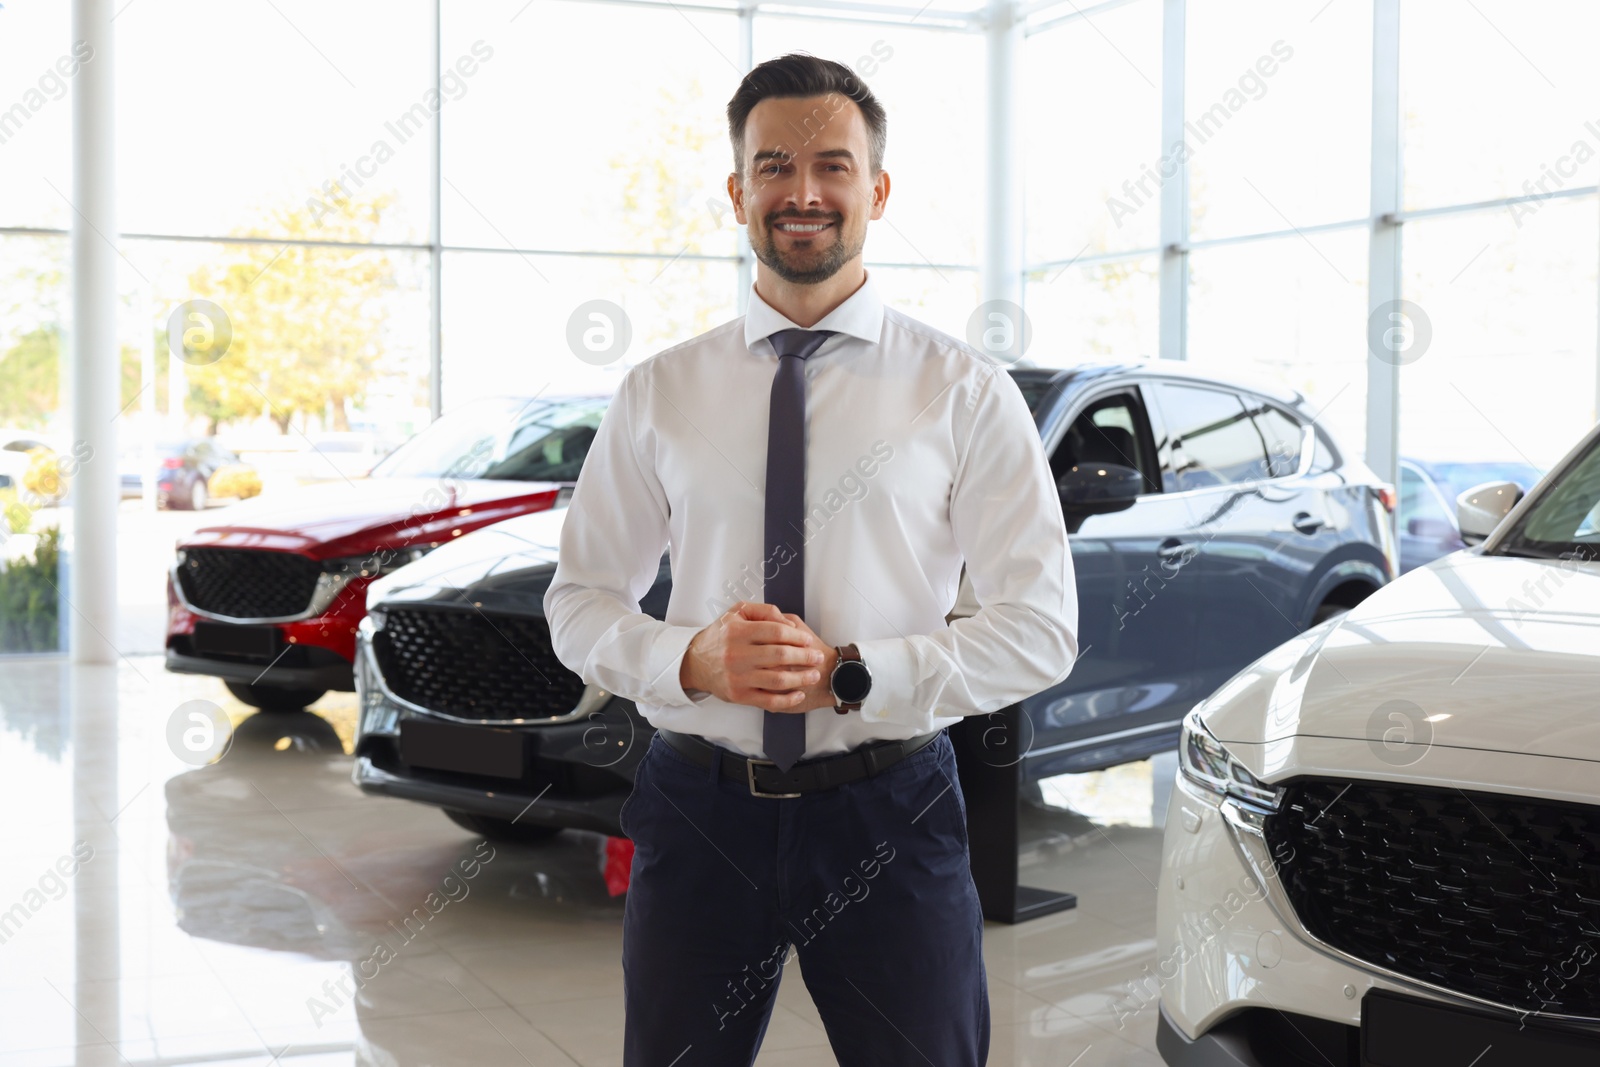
(800, 74)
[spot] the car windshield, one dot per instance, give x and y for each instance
(1565, 522)
(1457, 478)
(504, 439)
(1033, 390)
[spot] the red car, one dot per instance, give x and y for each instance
(269, 600)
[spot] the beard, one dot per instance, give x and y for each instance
(840, 252)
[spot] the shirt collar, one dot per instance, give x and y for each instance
(861, 315)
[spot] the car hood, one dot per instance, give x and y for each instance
(1471, 652)
(505, 567)
(359, 515)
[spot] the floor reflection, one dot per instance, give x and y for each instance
(260, 910)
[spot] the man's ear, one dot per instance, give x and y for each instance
(736, 194)
(880, 193)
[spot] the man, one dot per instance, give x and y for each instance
(821, 468)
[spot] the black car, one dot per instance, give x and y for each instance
(1217, 521)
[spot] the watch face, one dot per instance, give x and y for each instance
(851, 682)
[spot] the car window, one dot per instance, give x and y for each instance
(1566, 519)
(1323, 456)
(1284, 437)
(1112, 429)
(1214, 440)
(550, 445)
(1033, 391)
(1418, 499)
(501, 438)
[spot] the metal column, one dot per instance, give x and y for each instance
(1383, 272)
(95, 373)
(1174, 293)
(1001, 272)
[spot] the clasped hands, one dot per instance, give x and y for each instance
(757, 655)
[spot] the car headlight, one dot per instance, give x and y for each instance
(375, 564)
(1209, 765)
(377, 713)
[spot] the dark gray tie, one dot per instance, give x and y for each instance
(784, 733)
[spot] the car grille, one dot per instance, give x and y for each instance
(1491, 896)
(474, 664)
(242, 583)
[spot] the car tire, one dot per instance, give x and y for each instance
(274, 698)
(198, 495)
(502, 829)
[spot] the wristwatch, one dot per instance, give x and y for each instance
(850, 681)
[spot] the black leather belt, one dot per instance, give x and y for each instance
(807, 776)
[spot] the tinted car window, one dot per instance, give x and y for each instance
(1215, 441)
(1033, 391)
(1110, 430)
(1283, 435)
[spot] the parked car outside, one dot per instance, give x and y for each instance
(1208, 521)
(1428, 492)
(1383, 846)
(16, 447)
(182, 471)
(269, 599)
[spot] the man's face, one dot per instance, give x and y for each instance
(807, 191)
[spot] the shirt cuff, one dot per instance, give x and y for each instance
(893, 663)
(666, 660)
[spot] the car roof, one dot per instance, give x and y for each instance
(1084, 373)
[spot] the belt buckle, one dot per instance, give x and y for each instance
(750, 776)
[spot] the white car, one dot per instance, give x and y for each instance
(1383, 847)
(14, 458)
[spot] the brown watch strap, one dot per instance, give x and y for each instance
(853, 654)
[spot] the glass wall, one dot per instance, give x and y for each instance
(287, 182)
(37, 64)
(1499, 153)
(1090, 149)
(1498, 110)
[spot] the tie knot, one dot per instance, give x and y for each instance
(798, 342)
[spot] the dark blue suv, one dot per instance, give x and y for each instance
(1209, 521)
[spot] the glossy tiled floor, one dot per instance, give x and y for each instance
(154, 912)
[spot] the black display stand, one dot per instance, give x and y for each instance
(989, 758)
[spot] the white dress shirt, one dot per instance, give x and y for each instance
(921, 454)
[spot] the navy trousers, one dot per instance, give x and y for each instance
(867, 886)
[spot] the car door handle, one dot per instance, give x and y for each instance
(1172, 548)
(1308, 523)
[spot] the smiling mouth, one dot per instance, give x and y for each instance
(802, 229)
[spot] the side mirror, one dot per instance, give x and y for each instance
(1480, 509)
(1099, 488)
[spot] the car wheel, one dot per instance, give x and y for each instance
(274, 698)
(197, 495)
(502, 829)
